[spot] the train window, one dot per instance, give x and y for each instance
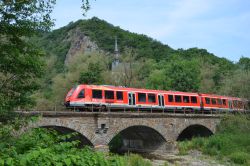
(81, 94)
(246, 105)
(97, 94)
(207, 100)
(235, 103)
(193, 99)
(71, 92)
(177, 99)
(142, 97)
(170, 98)
(224, 102)
(186, 99)
(219, 101)
(151, 98)
(109, 94)
(240, 104)
(213, 101)
(230, 104)
(119, 95)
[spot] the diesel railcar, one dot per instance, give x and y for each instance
(106, 97)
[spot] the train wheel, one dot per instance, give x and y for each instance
(103, 108)
(213, 111)
(86, 109)
(188, 110)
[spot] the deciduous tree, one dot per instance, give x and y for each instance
(183, 75)
(20, 62)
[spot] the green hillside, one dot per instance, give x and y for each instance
(145, 63)
(104, 34)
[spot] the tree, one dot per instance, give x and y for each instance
(183, 75)
(157, 80)
(237, 84)
(92, 75)
(20, 63)
(85, 6)
(244, 63)
(207, 74)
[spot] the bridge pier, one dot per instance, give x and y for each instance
(102, 148)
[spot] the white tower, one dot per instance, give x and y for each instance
(116, 51)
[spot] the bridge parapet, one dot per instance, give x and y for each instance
(115, 114)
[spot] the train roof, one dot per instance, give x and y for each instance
(111, 87)
(220, 96)
(122, 88)
(212, 95)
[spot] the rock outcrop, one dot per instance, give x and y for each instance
(80, 44)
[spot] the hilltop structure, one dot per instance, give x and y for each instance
(116, 61)
(116, 65)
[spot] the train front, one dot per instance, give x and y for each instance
(69, 97)
(75, 97)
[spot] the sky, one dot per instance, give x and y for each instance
(220, 26)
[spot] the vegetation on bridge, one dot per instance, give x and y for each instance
(230, 142)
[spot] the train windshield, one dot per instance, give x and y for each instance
(71, 91)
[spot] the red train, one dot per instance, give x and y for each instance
(104, 97)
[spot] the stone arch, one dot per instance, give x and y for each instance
(64, 130)
(139, 138)
(69, 124)
(122, 126)
(194, 130)
(144, 126)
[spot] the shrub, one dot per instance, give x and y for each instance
(46, 147)
(240, 158)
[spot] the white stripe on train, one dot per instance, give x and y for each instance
(117, 105)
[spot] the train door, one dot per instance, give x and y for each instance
(230, 104)
(131, 98)
(248, 105)
(201, 102)
(161, 100)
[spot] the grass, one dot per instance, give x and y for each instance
(232, 141)
(136, 160)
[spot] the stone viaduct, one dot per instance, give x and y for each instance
(141, 132)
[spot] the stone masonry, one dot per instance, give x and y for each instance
(100, 128)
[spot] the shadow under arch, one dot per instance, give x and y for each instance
(137, 139)
(192, 131)
(84, 141)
